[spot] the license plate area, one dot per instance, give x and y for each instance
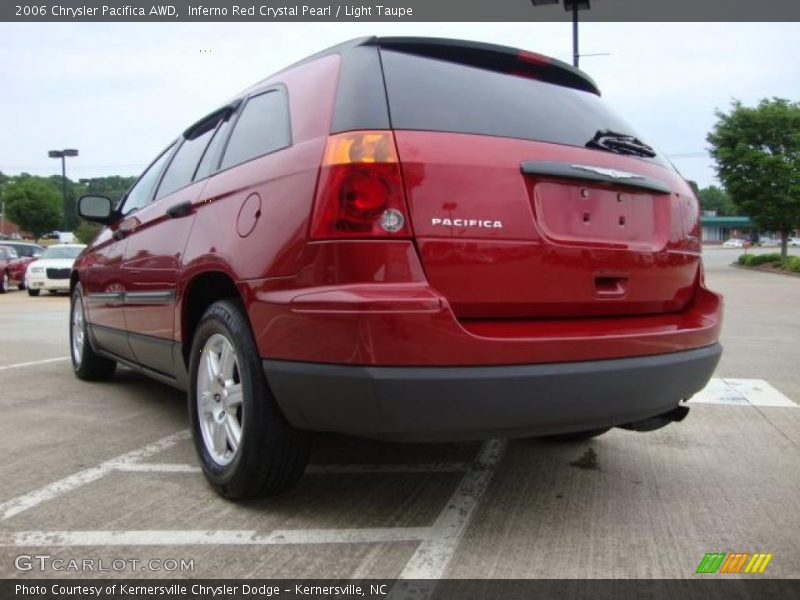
(595, 215)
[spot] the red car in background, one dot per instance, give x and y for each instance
(6, 256)
(13, 272)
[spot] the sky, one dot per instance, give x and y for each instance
(119, 92)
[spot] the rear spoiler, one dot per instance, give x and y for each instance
(492, 57)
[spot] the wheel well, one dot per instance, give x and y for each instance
(201, 292)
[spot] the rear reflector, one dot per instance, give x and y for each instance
(360, 189)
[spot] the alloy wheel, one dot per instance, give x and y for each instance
(219, 399)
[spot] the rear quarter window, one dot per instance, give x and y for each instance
(436, 95)
(262, 128)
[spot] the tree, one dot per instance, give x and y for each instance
(87, 231)
(757, 150)
(113, 187)
(716, 199)
(33, 204)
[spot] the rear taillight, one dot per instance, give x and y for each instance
(360, 189)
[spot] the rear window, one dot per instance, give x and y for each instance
(62, 252)
(436, 95)
(27, 251)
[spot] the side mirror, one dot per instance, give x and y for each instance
(96, 208)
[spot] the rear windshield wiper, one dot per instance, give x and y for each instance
(605, 139)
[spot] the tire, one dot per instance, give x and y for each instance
(269, 455)
(33, 292)
(86, 363)
(578, 436)
(4, 283)
(21, 286)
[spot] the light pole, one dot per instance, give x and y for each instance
(63, 154)
(574, 6)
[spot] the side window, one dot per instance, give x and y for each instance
(211, 157)
(181, 170)
(142, 191)
(263, 127)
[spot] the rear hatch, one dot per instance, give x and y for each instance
(529, 198)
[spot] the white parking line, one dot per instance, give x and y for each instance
(312, 469)
(166, 537)
(12, 507)
(433, 555)
(157, 468)
(742, 392)
(33, 363)
(438, 542)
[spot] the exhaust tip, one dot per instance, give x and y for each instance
(674, 415)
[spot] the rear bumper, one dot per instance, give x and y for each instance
(459, 403)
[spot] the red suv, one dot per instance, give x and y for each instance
(406, 239)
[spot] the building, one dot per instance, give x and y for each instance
(718, 229)
(9, 230)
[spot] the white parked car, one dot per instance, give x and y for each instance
(769, 242)
(794, 241)
(51, 272)
(733, 243)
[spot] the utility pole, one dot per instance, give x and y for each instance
(575, 55)
(63, 154)
(574, 6)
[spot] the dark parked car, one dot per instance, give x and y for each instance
(26, 254)
(404, 239)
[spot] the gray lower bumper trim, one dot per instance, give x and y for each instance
(459, 403)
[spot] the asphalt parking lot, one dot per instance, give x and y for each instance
(106, 470)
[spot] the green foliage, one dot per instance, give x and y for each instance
(751, 260)
(792, 264)
(33, 204)
(714, 198)
(111, 187)
(757, 150)
(68, 200)
(87, 231)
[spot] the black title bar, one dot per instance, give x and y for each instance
(393, 10)
(697, 588)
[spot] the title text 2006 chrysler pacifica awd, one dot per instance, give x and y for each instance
(405, 239)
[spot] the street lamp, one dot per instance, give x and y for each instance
(63, 154)
(574, 6)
